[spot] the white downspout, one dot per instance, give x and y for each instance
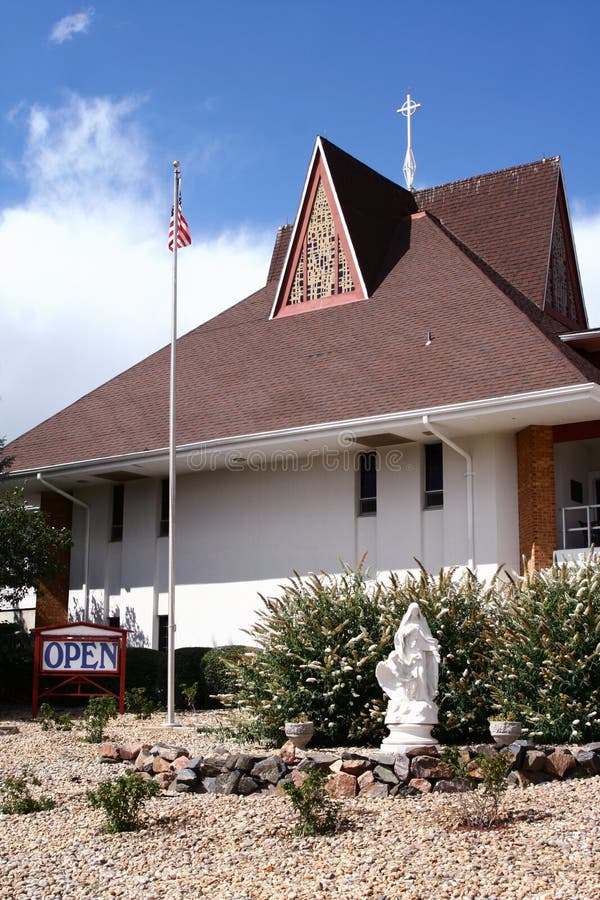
(469, 474)
(86, 550)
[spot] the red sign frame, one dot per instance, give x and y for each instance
(79, 682)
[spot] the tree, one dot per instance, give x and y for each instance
(29, 546)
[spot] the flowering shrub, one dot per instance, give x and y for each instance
(545, 650)
(527, 651)
(317, 647)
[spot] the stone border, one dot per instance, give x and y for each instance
(370, 773)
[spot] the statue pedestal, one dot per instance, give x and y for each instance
(405, 736)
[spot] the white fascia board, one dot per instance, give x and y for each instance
(316, 149)
(447, 413)
(578, 335)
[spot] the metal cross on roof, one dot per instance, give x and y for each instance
(408, 109)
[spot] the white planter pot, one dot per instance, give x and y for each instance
(505, 732)
(299, 733)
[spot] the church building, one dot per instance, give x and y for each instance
(415, 381)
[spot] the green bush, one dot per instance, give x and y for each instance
(318, 813)
(98, 711)
(147, 669)
(317, 647)
(15, 796)
(545, 649)
(16, 663)
(51, 720)
(138, 702)
(220, 673)
(188, 669)
(122, 800)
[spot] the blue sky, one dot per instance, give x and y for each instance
(97, 100)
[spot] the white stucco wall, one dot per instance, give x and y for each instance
(241, 533)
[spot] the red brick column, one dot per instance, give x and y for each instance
(53, 594)
(537, 515)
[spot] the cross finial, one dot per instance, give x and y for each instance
(408, 109)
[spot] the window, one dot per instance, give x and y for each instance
(367, 497)
(434, 476)
(116, 528)
(163, 633)
(163, 525)
(114, 621)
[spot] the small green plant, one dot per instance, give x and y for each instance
(50, 719)
(478, 808)
(138, 702)
(122, 800)
(15, 796)
(99, 710)
(190, 692)
(319, 814)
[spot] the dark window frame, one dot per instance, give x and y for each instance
(118, 508)
(162, 643)
(163, 522)
(433, 493)
(367, 483)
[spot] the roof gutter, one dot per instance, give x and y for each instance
(469, 475)
(588, 390)
(86, 550)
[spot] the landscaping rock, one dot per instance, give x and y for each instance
(109, 750)
(385, 774)
(144, 760)
(271, 769)
(182, 762)
(444, 786)
(299, 776)
(247, 785)
(589, 761)
(165, 779)
(560, 762)
(321, 760)
(196, 763)
(430, 750)
(421, 785)
(366, 779)
(381, 758)
(376, 789)
(160, 765)
(131, 750)
(402, 767)
(187, 776)
(535, 761)
(288, 752)
(245, 762)
(354, 767)
(227, 782)
(430, 767)
(342, 786)
(170, 753)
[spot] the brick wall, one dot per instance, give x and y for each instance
(53, 595)
(537, 514)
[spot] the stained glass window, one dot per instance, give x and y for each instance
(322, 269)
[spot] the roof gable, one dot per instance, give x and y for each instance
(321, 268)
(563, 298)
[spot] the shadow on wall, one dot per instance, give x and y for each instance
(136, 636)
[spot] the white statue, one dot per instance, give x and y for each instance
(410, 679)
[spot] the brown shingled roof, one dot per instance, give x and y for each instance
(242, 373)
(505, 217)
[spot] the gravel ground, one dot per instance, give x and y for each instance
(235, 848)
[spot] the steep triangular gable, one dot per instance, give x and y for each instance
(563, 300)
(321, 267)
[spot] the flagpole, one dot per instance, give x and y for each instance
(172, 474)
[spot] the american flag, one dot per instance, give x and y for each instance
(183, 232)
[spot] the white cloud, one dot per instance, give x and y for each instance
(586, 227)
(85, 282)
(66, 27)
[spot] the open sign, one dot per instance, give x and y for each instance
(80, 656)
(72, 661)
